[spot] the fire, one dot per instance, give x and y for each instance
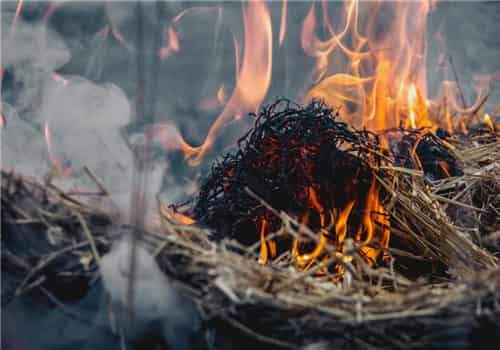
(55, 161)
(19, 8)
(412, 101)
(173, 44)
(335, 227)
(175, 216)
(488, 121)
(282, 34)
(378, 79)
(253, 77)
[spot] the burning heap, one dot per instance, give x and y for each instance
(307, 163)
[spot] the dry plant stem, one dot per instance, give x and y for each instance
(96, 181)
(90, 238)
(45, 262)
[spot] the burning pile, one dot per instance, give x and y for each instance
(307, 163)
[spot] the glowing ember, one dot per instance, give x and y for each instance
(304, 162)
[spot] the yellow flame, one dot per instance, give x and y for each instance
(488, 121)
(385, 71)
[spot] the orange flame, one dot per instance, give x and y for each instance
(55, 161)
(175, 216)
(374, 213)
(253, 79)
(282, 34)
(372, 235)
(488, 121)
(17, 14)
(378, 78)
(173, 44)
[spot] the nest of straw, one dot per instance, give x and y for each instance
(440, 284)
(450, 229)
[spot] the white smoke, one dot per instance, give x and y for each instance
(83, 118)
(155, 300)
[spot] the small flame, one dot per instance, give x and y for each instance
(412, 99)
(3, 121)
(175, 216)
(221, 95)
(263, 244)
(18, 8)
(17, 14)
(50, 10)
(282, 34)
(374, 213)
(55, 161)
(383, 74)
(489, 121)
(173, 44)
(445, 168)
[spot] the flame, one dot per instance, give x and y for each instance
(488, 121)
(378, 78)
(371, 237)
(51, 8)
(19, 8)
(56, 163)
(412, 101)
(445, 168)
(3, 121)
(263, 244)
(284, 6)
(374, 213)
(175, 216)
(253, 78)
(173, 44)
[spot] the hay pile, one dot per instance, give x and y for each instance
(442, 281)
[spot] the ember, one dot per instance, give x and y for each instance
(306, 162)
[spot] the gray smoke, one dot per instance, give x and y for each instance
(156, 303)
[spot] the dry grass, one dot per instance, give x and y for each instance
(445, 268)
